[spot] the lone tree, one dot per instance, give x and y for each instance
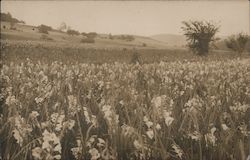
(199, 35)
(237, 43)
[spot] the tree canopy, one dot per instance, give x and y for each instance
(199, 35)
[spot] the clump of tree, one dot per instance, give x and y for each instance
(237, 43)
(89, 37)
(7, 17)
(126, 37)
(44, 29)
(200, 35)
(90, 34)
(72, 32)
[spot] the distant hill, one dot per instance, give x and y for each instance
(170, 39)
(31, 33)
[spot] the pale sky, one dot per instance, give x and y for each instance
(131, 17)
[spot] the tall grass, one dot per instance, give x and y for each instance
(168, 110)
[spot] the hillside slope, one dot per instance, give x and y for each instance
(170, 39)
(30, 33)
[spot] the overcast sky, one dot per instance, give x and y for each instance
(131, 17)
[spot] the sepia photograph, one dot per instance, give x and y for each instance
(125, 80)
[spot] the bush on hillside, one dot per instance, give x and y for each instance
(72, 32)
(44, 29)
(237, 43)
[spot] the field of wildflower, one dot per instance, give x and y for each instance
(168, 110)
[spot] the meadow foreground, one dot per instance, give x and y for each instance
(167, 110)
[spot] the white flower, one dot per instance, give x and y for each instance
(224, 127)
(157, 101)
(46, 146)
(149, 124)
(94, 154)
(34, 114)
(91, 140)
(73, 108)
(59, 122)
(127, 130)
(177, 150)
(101, 142)
(86, 115)
(54, 117)
(58, 148)
(75, 151)
(150, 134)
(10, 100)
(49, 139)
(36, 153)
(145, 119)
(121, 102)
(44, 124)
(18, 137)
(137, 145)
(195, 135)
(168, 118)
(69, 124)
(106, 109)
(158, 126)
(209, 137)
(38, 100)
(57, 156)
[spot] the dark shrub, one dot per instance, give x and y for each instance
(237, 43)
(44, 29)
(72, 32)
(88, 40)
(92, 34)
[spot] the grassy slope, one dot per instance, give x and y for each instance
(25, 32)
(25, 42)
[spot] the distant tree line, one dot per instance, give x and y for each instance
(88, 37)
(126, 37)
(122, 37)
(73, 32)
(90, 34)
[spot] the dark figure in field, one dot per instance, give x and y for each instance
(135, 57)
